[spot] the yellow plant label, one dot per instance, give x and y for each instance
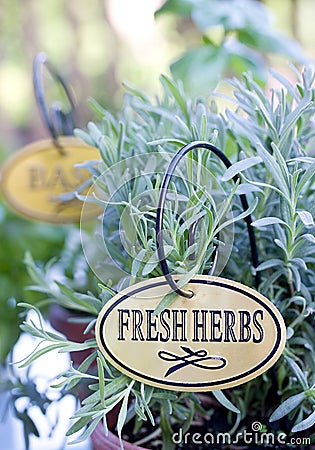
(34, 180)
(225, 335)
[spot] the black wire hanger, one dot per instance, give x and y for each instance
(58, 122)
(160, 213)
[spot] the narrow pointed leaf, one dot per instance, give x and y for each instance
(287, 406)
(240, 166)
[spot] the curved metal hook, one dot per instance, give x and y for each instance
(57, 122)
(161, 204)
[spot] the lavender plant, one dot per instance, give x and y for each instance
(270, 139)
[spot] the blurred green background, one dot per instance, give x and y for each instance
(97, 44)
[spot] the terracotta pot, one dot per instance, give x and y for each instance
(110, 442)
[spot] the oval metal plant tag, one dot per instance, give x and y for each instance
(33, 180)
(225, 335)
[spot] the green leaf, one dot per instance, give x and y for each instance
(266, 221)
(166, 301)
(83, 367)
(269, 40)
(87, 433)
(281, 162)
(273, 167)
(189, 222)
(123, 412)
(153, 261)
(78, 425)
(298, 373)
(246, 188)
(240, 166)
(197, 81)
(265, 185)
(105, 364)
(165, 396)
(289, 333)
(112, 388)
(97, 108)
(37, 354)
(287, 406)
(286, 83)
(35, 273)
(309, 237)
(304, 424)
(221, 397)
(274, 262)
(292, 118)
(307, 218)
(225, 207)
(81, 302)
(146, 395)
(241, 216)
(84, 136)
(177, 142)
(243, 59)
(136, 91)
(307, 177)
(101, 376)
(179, 7)
(178, 96)
(232, 15)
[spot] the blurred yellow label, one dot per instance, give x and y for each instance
(34, 181)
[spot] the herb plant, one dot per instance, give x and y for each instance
(269, 138)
